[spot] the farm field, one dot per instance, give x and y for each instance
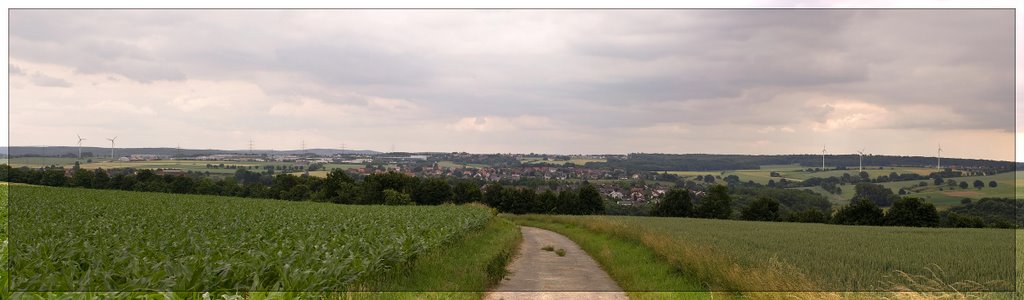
(764, 256)
(192, 242)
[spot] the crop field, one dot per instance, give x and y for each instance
(768, 256)
(65, 239)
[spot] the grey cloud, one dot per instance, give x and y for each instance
(45, 80)
(14, 70)
(605, 71)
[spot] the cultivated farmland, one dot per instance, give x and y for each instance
(66, 239)
(766, 256)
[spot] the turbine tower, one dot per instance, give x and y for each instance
(80, 139)
(860, 165)
(112, 146)
(938, 159)
(823, 157)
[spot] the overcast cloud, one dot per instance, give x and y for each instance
(556, 81)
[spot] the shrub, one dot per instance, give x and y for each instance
(560, 252)
(393, 197)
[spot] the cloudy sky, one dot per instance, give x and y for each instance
(551, 81)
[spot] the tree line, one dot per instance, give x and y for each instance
(862, 210)
(338, 187)
(721, 162)
(391, 188)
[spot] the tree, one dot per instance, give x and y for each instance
(590, 201)
(432, 191)
(675, 203)
(100, 179)
(524, 201)
(938, 180)
(567, 200)
(493, 194)
(548, 201)
(466, 192)
(963, 185)
(992, 184)
(717, 204)
(912, 212)
(860, 211)
(978, 184)
(393, 197)
(876, 193)
(762, 209)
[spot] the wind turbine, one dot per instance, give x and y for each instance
(80, 139)
(112, 147)
(938, 159)
(860, 165)
(823, 157)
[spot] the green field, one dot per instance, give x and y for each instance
(767, 256)
(80, 239)
(800, 173)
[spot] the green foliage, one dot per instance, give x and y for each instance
(590, 201)
(432, 191)
(993, 212)
(912, 212)
(560, 252)
(393, 197)
(876, 193)
(860, 211)
(762, 209)
(466, 192)
(807, 216)
(116, 240)
(675, 203)
(717, 203)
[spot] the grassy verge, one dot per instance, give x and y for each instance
(460, 270)
(636, 268)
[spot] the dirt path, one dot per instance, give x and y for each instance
(541, 274)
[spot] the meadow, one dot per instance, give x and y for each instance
(733, 255)
(65, 239)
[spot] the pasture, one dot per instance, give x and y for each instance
(767, 256)
(80, 239)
